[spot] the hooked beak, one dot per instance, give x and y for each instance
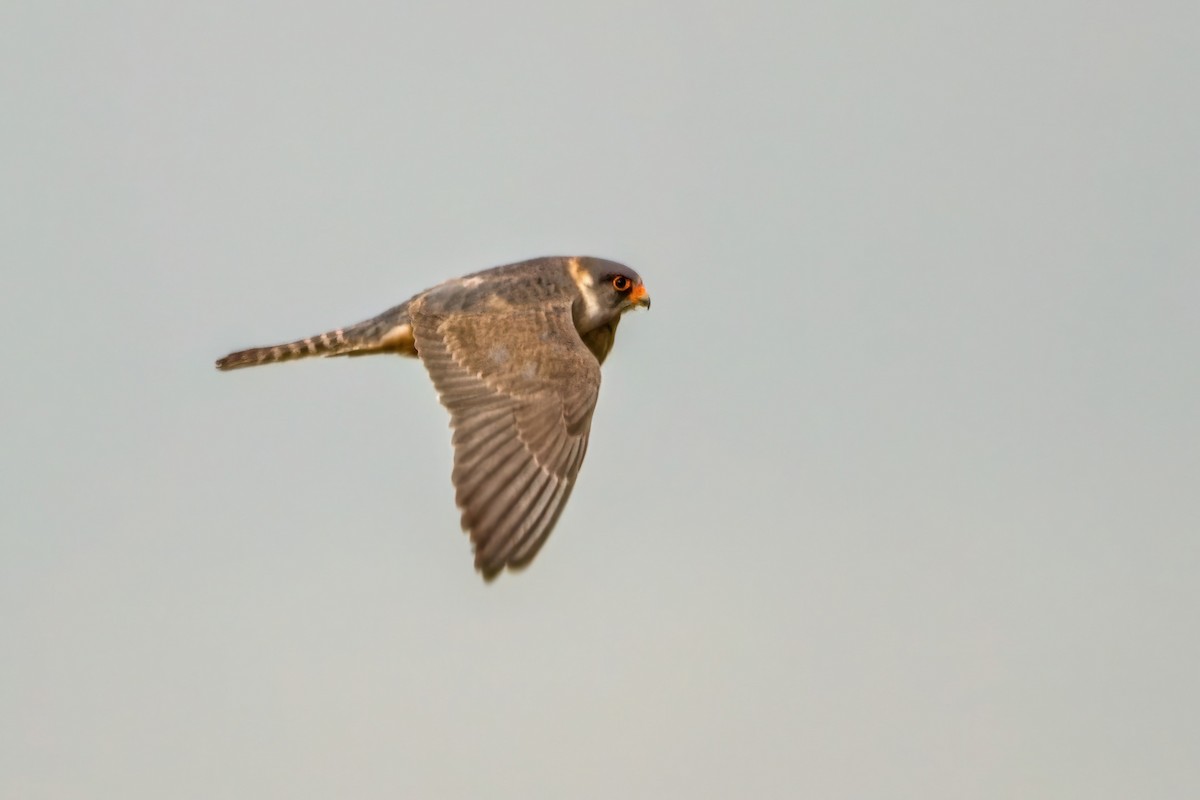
(639, 297)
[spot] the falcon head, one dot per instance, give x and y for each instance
(606, 291)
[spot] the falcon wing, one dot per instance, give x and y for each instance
(520, 387)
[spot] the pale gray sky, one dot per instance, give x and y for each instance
(893, 494)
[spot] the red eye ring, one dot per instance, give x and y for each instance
(621, 283)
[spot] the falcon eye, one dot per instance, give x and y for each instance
(621, 283)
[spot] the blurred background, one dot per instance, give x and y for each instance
(893, 494)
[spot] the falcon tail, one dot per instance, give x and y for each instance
(390, 332)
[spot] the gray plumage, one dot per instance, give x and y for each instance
(514, 353)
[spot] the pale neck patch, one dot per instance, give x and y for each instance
(579, 274)
(586, 285)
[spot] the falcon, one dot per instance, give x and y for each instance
(514, 353)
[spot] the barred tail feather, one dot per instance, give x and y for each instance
(327, 344)
(390, 332)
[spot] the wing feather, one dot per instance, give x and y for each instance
(520, 386)
(542, 527)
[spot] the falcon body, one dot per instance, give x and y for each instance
(514, 353)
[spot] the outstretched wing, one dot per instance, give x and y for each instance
(520, 387)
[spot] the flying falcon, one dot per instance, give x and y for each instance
(514, 353)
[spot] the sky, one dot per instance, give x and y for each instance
(894, 493)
